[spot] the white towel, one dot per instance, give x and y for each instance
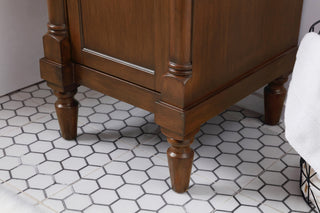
(10, 203)
(302, 113)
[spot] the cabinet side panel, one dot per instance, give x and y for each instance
(230, 38)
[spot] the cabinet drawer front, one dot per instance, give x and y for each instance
(118, 37)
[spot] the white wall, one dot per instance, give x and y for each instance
(22, 24)
(310, 14)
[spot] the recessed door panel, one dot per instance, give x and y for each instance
(120, 29)
(119, 37)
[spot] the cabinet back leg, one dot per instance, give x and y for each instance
(67, 113)
(274, 96)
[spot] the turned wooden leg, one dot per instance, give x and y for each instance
(274, 96)
(180, 157)
(67, 112)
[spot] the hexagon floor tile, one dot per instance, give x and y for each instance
(118, 162)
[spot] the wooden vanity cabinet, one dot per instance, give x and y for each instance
(184, 60)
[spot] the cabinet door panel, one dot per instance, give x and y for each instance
(118, 37)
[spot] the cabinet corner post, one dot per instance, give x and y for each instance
(57, 68)
(176, 81)
(175, 97)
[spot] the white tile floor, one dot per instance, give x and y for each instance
(118, 162)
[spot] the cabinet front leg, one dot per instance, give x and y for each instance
(274, 96)
(67, 112)
(180, 158)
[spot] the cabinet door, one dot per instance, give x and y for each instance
(126, 39)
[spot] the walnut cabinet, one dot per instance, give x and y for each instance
(184, 60)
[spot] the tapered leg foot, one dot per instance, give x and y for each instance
(180, 157)
(67, 112)
(274, 96)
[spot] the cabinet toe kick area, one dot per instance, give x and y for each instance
(184, 60)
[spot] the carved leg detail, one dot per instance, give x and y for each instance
(180, 157)
(274, 96)
(67, 112)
